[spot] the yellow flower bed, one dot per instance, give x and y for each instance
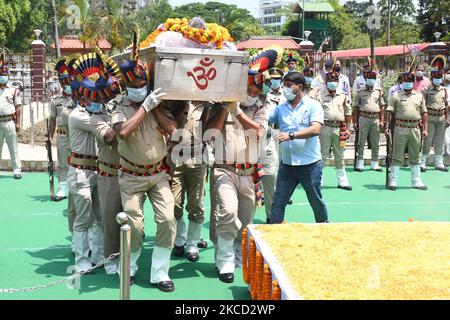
(214, 34)
(363, 260)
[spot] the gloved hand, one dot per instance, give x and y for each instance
(233, 108)
(152, 100)
(208, 155)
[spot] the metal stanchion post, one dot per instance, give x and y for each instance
(31, 117)
(125, 248)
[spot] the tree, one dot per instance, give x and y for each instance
(8, 21)
(238, 21)
(152, 15)
(433, 16)
(402, 32)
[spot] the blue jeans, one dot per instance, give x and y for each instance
(309, 176)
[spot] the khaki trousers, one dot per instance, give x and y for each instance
(133, 190)
(110, 206)
(369, 127)
(8, 134)
(83, 186)
(189, 181)
(235, 201)
(406, 138)
(62, 148)
(329, 137)
(436, 135)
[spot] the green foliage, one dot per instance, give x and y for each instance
(239, 22)
(8, 21)
(434, 16)
(152, 15)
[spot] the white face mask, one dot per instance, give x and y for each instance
(419, 74)
(250, 101)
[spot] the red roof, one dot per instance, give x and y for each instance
(285, 43)
(75, 44)
(380, 51)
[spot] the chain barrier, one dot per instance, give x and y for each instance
(68, 279)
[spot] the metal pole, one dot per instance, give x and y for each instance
(56, 32)
(388, 33)
(125, 248)
(372, 40)
(303, 20)
(31, 115)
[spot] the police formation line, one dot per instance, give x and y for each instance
(117, 139)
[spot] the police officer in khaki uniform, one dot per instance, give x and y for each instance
(308, 73)
(57, 106)
(82, 176)
(140, 127)
(369, 113)
(436, 102)
(189, 174)
(10, 109)
(108, 169)
(235, 174)
(337, 111)
(409, 109)
(269, 152)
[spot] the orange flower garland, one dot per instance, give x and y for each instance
(214, 34)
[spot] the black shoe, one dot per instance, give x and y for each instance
(165, 286)
(424, 188)
(268, 220)
(131, 280)
(377, 170)
(178, 251)
(57, 199)
(193, 256)
(443, 169)
(422, 169)
(17, 176)
(226, 277)
(358, 170)
(290, 202)
(202, 244)
(392, 188)
(348, 188)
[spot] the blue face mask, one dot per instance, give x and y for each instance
(68, 90)
(289, 94)
(266, 87)
(4, 79)
(437, 81)
(275, 83)
(407, 85)
(308, 80)
(332, 86)
(94, 107)
(370, 82)
(137, 95)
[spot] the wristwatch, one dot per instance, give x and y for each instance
(291, 135)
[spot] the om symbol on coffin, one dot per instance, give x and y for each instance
(204, 73)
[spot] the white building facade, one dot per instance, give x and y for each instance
(269, 13)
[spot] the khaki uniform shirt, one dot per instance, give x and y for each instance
(81, 139)
(311, 92)
(273, 99)
(145, 146)
(9, 100)
(240, 146)
(369, 100)
(435, 99)
(57, 106)
(191, 124)
(407, 106)
(335, 108)
(101, 123)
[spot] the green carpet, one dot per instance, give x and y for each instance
(34, 242)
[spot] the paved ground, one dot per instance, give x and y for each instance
(35, 242)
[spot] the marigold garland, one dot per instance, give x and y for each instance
(214, 34)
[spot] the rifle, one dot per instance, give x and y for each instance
(355, 158)
(51, 165)
(389, 133)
